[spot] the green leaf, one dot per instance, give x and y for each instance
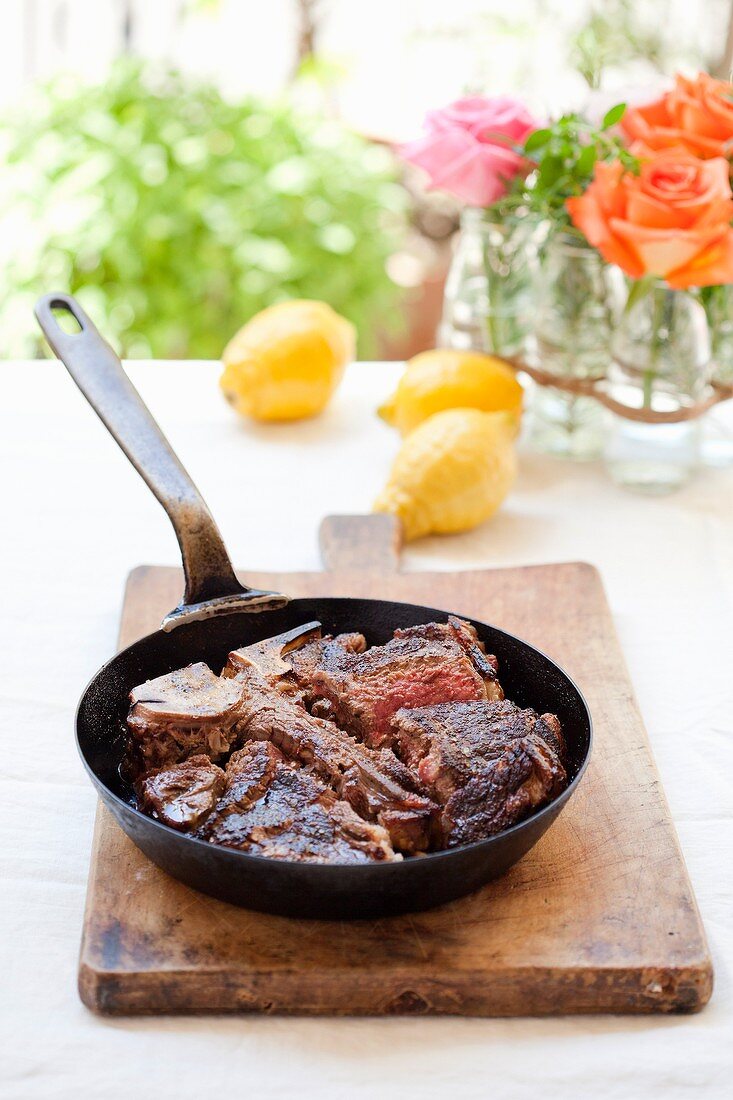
(613, 116)
(586, 161)
(565, 156)
(536, 140)
(551, 169)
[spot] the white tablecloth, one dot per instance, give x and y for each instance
(77, 518)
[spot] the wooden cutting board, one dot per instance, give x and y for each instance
(598, 917)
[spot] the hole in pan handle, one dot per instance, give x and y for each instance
(211, 585)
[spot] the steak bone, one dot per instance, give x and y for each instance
(267, 657)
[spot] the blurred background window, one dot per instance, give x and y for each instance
(182, 163)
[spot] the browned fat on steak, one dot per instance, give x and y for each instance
(488, 764)
(181, 795)
(271, 808)
(182, 713)
(419, 666)
(374, 782)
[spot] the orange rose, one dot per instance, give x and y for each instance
(671, 221)
(696, 115)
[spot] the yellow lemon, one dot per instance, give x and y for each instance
(451, 473)
(286, 362)
(449, 379)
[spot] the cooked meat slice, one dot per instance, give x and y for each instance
(549, 729)
(181, 795)
(459, 630)
(421, 665)
(353, 641)
(466, 763)
(526, 776)
(287, 660)
(375, 783)
(488, 764)
(273, 809)
(184, 712)
(305, 661)
(249, 773)
(441, 742)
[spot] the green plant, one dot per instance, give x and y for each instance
(564, 155)
(614, 34)
(175, 214)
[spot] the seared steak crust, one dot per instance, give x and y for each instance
(523, 778)
(419, 666)
(378, 786)
(488, 764)
(273, 809)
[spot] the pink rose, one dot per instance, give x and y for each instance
(468, 147)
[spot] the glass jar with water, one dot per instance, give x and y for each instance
(488, 300)
(660, 364)
(576, 304)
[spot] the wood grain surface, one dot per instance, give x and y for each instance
(598, 917)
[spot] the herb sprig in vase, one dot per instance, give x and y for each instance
(577, 297)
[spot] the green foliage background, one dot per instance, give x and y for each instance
(175, 215)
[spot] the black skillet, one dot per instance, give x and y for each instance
(218, 614)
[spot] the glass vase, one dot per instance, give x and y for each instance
(488, 293)
(661, 363)
(717, 441)
(573, 324)
(718, 301)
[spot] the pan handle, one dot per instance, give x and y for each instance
(211, 585)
